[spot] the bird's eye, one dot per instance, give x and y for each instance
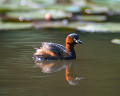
(75, 40)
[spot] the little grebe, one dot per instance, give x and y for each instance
(55, 51)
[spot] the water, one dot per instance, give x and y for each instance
(97, 65)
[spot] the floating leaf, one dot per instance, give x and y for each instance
(24, 5)
(66, 7)
(91, 18)
(116, 41)
(107, 2)
(82, 26)
(16, 5)
(14, 26)
(96, 27)
(36, 15)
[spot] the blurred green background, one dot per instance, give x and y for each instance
(102, 15)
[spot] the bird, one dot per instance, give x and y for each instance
(53, 51)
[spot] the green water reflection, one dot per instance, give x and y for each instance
(50, 66)
(97, 61)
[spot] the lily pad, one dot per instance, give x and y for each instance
(14, 26)
(48, 24)
(37, 15)
(99, 6)
(96, 27)
(17, 5)
(82, 26)
(91, 18)
(46, 2)
(97, 9)
(66, 7)
(73, 9)
(106, 5)
(116, 41)
(106, 1)
(24, 5)
(91, 7)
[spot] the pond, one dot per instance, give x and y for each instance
(97, 64)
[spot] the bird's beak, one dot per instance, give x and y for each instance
(78, 41)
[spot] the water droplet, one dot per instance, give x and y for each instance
(23, 2)
(88, 11)
(65, 21)
(21, 18)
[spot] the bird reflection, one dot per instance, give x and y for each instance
(49, 66)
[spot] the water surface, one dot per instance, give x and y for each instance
(98, 62)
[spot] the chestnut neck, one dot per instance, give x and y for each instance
(70, 46)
